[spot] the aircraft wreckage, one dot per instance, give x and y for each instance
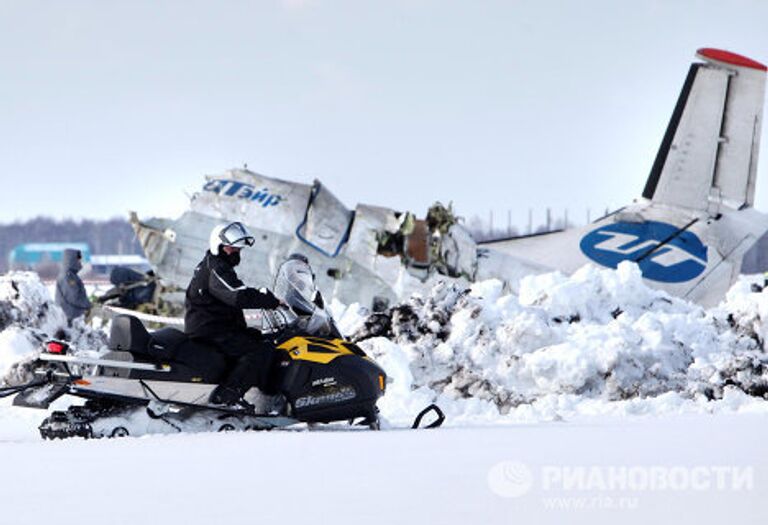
(688, 232)
(370, 255)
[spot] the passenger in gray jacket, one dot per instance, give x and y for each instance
(70, 290)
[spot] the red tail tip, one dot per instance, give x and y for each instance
(730, 58)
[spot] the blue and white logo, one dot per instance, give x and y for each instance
(243, 190)
(663, 252)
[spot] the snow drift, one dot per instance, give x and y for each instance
(597, 341)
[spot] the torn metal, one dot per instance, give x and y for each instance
(370, 255)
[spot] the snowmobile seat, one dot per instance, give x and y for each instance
(165, 343)
(129, 335)
(190, 360)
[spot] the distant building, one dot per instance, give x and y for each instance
(31, 256)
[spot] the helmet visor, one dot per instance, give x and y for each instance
(236, 235)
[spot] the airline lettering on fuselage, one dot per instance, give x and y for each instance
(663, 252)
(243, 190)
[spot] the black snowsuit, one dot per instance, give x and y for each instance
(214, 302)
(70, 291)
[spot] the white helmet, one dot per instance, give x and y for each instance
(232, 234)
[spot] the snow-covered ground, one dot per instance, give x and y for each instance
(582, 397)
(688, 469)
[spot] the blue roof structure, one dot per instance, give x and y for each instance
(38, 252)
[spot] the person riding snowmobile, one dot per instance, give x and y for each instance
(215, 300)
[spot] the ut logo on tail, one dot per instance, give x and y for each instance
(663, 252)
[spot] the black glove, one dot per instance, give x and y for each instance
(270, 301)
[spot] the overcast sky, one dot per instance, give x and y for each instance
(111, 106)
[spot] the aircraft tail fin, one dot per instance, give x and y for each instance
(708, 157)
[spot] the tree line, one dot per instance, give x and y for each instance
(110, 236)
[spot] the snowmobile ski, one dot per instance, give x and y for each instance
(431, 409)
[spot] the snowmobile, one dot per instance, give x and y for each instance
(161, 381)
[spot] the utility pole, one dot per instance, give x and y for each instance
(490, 224)
(530, 221)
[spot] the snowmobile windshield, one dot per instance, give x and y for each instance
(236, 235)
(295, 285)
(320, 323)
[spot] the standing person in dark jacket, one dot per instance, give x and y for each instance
(215, 301)
(70, 290)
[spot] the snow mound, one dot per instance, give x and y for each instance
(599, 340)
(28, 317)
(25, 300)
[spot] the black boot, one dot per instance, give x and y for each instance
(225, 395)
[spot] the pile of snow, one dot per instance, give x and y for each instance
(25, 301)
(599, 341)
(29, 317)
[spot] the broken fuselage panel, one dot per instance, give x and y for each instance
(372, 255)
